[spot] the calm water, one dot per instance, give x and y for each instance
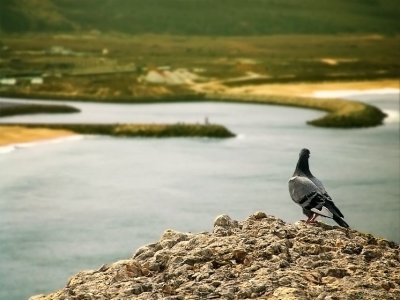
(75, 205)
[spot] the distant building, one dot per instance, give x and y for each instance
(163, 76)
(8, 81)
(37, 80)
(173, 78)
(154, 76)
(164, 68)
(60, 50)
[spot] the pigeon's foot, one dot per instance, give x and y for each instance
(308, 221)
(312, 222)
(311, 219)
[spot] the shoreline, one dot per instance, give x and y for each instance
(323, 90)
(24, 134)
(11, 136)
(340, 112)
(4, 149)
(310, 89)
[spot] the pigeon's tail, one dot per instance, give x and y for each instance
(340, 221)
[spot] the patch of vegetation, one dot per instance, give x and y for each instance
(12, 109)
(341, 113)
(140, 130)
(351, 115)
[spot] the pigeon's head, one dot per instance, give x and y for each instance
(304, 153)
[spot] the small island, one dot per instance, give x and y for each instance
(138, 130)
(8, 109)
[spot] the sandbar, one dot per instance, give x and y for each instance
(10, 135)
(310, 89)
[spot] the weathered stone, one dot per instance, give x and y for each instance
(352, 249)
(337, 272)
(259, 215)
(239, 255)
(261, 257)
(287, 293)
(284, 264)
(370, 255)
(258, 288)
(136, 290)
(223, 221)
(313, 277)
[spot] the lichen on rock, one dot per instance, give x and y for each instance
(260, 257)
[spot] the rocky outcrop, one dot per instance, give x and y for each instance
(261, 257)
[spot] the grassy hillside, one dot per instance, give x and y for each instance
(203, 17)
(32, 15)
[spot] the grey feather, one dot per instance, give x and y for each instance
(318, 183)
(300, 186)
(308, 195)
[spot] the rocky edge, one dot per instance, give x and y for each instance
(261, 257)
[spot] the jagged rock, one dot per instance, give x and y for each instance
(261, 257)
(223, 221)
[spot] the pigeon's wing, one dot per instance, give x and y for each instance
(300, 187)
(337, 214)
(318, 184)
(305, 193)
(332, 207)
(328, 200)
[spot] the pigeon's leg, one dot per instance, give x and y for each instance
(311, 218)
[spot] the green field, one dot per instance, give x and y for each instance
(288, 58)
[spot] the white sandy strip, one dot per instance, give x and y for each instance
(12, 147)
(344, 93)
(6, 149)
(393, 116)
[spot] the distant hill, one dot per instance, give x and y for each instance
(202, 17)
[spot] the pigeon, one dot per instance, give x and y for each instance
(307, 191)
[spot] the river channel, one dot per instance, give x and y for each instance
(77, 204)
